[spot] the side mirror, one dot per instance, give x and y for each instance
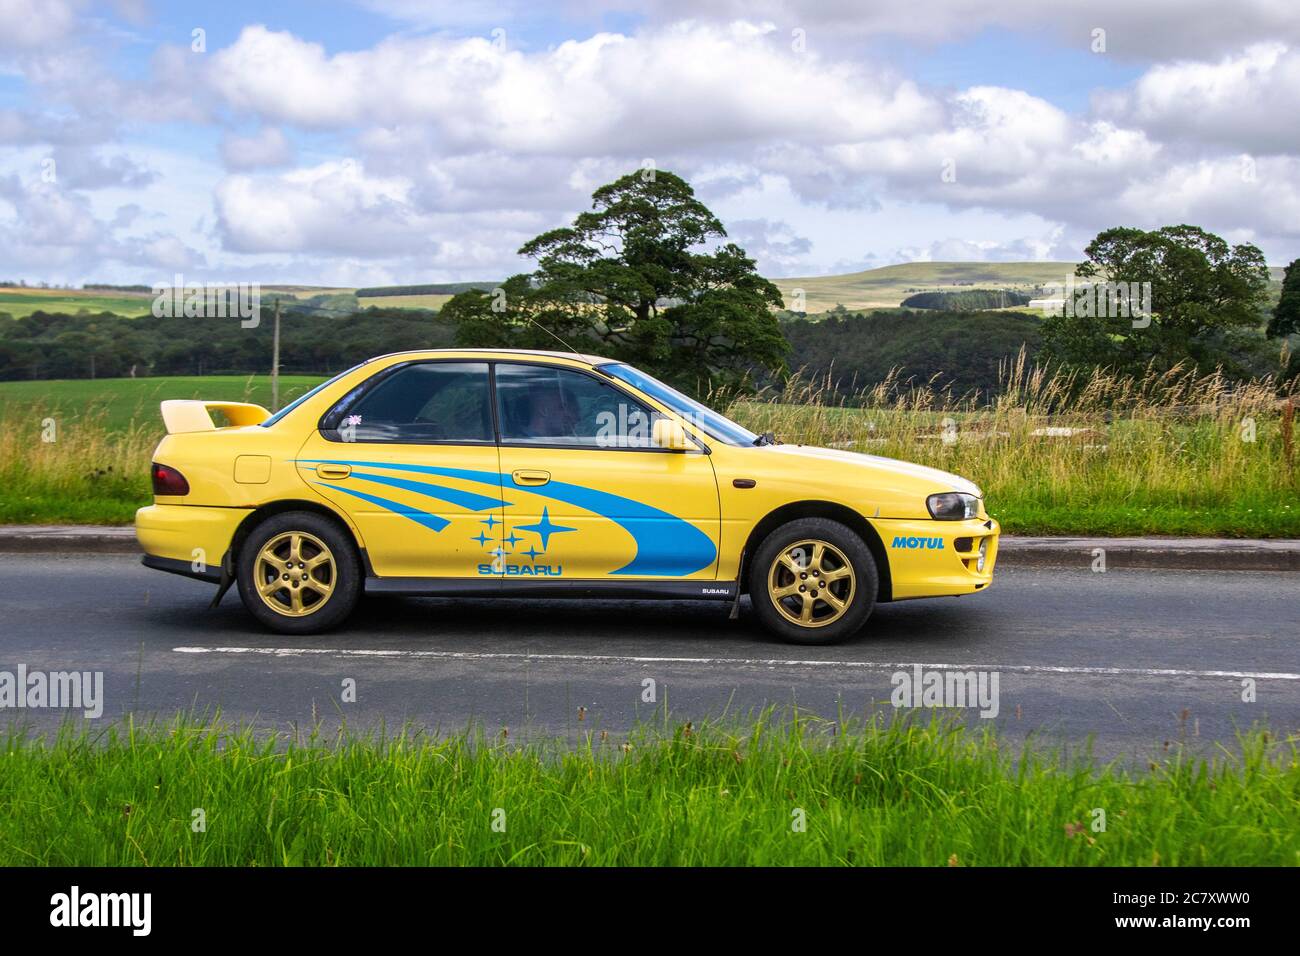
(669, 434)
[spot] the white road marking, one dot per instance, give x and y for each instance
(741, 661)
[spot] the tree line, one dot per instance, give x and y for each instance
(104, 345)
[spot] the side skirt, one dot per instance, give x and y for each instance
(495, 587)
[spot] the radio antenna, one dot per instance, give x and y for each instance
(553, 335)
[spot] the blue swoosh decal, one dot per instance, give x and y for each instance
(485, 477)
(465, 499)
(432, 522)
(667, 546)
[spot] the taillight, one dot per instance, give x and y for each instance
(168, 481)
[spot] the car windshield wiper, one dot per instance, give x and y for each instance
(767, 438)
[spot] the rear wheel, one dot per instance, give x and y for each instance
(299, 573)
(813, 581)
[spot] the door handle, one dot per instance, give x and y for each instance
(333, 471)
(530, 476)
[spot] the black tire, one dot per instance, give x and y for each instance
(846, 548)
(318, 613)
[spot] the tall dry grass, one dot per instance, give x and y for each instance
(88, 473)
(1173, 452)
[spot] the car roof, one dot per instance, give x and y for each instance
(523, 353)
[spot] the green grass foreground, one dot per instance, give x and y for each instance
(897, 793)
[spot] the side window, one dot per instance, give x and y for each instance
(419, 403)
(537, 405)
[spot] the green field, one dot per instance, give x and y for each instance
(888, 286)
(433, 302)
(807, 792)
(19, 302)
(119, 403)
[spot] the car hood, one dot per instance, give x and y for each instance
(878, 465)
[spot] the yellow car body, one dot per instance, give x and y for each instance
(470, 494)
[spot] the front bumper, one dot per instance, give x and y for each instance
(938, 558)
(196, 535)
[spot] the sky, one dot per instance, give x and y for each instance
(375, 142)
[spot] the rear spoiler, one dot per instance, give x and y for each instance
(187, 415)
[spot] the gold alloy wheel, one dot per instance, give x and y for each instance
(811, 583)
(294, 574)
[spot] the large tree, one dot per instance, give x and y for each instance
(1286, 314)
(643, 277)
(1206, 301)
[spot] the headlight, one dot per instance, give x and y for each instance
(953, 506)
(984, 553)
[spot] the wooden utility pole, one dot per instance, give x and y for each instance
(275, 360)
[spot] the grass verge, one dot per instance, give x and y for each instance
(884, 793)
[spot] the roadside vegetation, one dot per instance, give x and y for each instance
(95, 470)
(1168, 454)
(799, 792)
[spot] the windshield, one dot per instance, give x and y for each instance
(306, 395)
(718, 426)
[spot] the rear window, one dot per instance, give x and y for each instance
(420, 403)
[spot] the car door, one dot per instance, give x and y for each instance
(588, 496)
(411, 456)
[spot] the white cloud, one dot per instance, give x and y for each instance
(55, 231)
(33, 24)
(688, 86)
(1241, 101)
(774, 245)
(267, 147)
(1144, 30)
(437, 156)
(86, 168)
(1034, 249)
(334, 207)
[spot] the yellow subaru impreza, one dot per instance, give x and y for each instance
(504, 473)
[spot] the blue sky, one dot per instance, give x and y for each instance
(347, 142)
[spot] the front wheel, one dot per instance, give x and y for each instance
(813, 581)
(299, 573)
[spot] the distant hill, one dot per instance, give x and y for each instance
(884, 288)
(887, 287)
(431, 288)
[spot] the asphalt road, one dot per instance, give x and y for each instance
(1135, 659)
